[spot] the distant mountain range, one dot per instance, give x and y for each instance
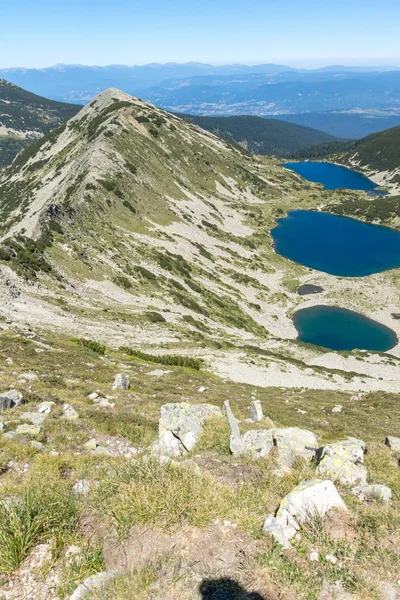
(262, 136)
(25, 117)
(348, 102)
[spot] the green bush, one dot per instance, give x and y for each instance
(91, 345)
(154, 317)
(122, 281)
(166, 359)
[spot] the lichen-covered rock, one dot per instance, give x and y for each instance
(181, 425)
(292, 442)
(393, 443)
(258, 443)
(27, 430)
(343, 461)
(10, 399)
(309, 499)
(81, 487)
(121, 382)
(256, 411)
(236, 442)
(373, 492)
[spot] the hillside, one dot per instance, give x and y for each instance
(261, 136)
(143, 311)
(25, 117)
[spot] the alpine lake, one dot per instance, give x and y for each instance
(339, 246)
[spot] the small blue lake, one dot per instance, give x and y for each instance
(341, 329)
(336, 245)
(332, 176)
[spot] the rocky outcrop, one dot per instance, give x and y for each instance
(309, 499)
(121, 382)
(376, 491)
(10, 399)
(393, 443)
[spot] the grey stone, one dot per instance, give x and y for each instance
(274, 528)
(37, 445)
(121, 382)
(393, 443)
(236, 442)
(343, 461)
(35, 418)
(10, 399)
(90, 584)
(81, 487)
(373, 492)
(68, 412)
(46, 407)
(258, 443)
(181, 425)
(256, 411)
(27, 430)
(293, 442)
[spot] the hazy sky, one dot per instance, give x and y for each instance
(38, 33)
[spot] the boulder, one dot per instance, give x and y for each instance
(256, 411)
(10, 399)
(121, 382)
(45, 407)
(309, 499)
(81, 487)
(292, 442)
(343, 461)
(236, 442)
(393, 443)
(181, 425)
(258, 443)
(373, 492)
(68, 412)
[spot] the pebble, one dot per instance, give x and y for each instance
(331, 558)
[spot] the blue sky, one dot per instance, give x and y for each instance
(39, 33)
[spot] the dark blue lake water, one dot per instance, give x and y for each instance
(336, 245)
(341, 329)
(332, 176)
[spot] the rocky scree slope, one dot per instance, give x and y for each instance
(25, 117)
(131, 226)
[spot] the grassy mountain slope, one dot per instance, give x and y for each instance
(25, 116)
(137, 228)
(261, 136)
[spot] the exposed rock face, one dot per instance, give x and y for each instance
(343, 461)
(181, 425)
(393, 443)
(258, 443)
(68, 412)
(373, 492)
(10, 399)
(36, 418)
(121, 382)
(307, 500)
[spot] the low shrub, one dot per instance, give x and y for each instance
(166, 359)
(91, 345)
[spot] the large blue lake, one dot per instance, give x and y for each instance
(341, 329)
(336, 245)
(332, 176)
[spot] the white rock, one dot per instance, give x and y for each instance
(68, 412)
(121, 382)
(337, 409)
(93, 396)
(92, 583)
(373, 492)
(256, 411)
(46, 407)
(81, 487)
(314, 557)
(27, 376)
(331, 558)
(9, 361)
(202, 389)
(393, 443)
(157, 373)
